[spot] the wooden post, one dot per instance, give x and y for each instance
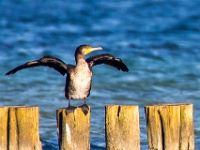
(19, 128)
(122, 127)
(170, 127)
(73, 129)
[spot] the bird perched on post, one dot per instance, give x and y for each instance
(79, 76)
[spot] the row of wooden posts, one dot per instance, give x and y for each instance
(169, 127)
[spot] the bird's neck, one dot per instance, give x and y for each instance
(79, 58)
(81, 63)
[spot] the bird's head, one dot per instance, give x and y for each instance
(83, 50)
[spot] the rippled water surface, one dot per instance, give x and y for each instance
(158, 40)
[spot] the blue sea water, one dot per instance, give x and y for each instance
(158, 40)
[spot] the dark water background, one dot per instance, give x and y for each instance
(158, 40)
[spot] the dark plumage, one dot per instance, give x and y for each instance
(79, 77)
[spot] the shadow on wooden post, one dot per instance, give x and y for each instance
(122, 127)
(73, 129)
(170, 127)
(19, 128)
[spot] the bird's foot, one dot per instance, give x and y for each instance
(70, 109)
(84, 108)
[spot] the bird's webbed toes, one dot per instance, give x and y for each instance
(70, 109)
(84, 108)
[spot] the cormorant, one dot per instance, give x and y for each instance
(79, 77)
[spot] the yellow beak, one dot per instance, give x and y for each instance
(91, 49)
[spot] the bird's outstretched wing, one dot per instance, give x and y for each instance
(49, 61)
(107, 59)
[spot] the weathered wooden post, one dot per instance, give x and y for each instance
(170, 127)
(73, 129)
(19, 128)
(122, 127)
